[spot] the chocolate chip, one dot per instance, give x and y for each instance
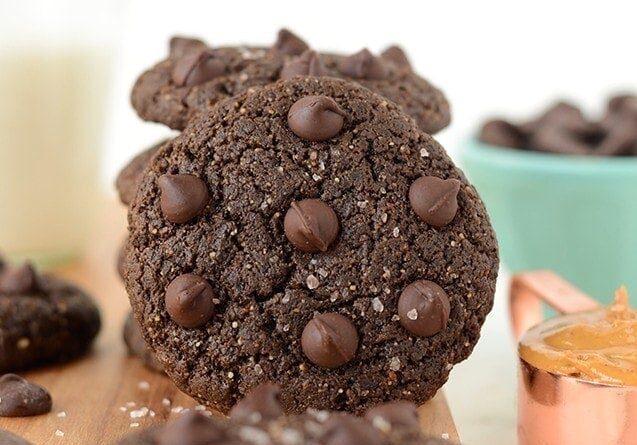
(289, 44)
(183, 197)
(567, 117)
(311, 225)
(316, 118)
(424, 308)
(180, 46)
(397, 56)
(435, 200)
(329, 340)
(502, 133)
(18, 280)
(363, 65)
(190, 300)
(261, 404)
(556, 139)
(346, 429)
(21, 398)
(620, 141)
(402, 415)
(197, 67)
(307, 64)
(191, 428)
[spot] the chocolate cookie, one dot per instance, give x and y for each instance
(137, 346)
(352, 264)
(195, 76)
(43, 319)
(128, 178)
(262, 422)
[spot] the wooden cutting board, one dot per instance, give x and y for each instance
(105, 395)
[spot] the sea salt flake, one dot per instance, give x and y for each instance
(144, 385)
(424, 153)
(59, 433)
(312, 282)
(394, 364)
(63, 413)
(377, 305)
(412, 314)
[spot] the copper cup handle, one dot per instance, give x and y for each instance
(530, 289)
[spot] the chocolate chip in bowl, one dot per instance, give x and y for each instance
(564, 129)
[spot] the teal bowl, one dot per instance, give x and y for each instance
(574, 215)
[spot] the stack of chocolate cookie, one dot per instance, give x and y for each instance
(304, 228)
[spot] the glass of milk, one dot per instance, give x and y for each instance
(55, 67)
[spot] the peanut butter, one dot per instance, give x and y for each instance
(598, 346)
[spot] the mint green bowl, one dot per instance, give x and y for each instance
(574, 215)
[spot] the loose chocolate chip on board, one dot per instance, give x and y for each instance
(262, 404)
(311, 225)
(435, 200)
(183, 197)
(289, 43)
(190, 300)
(307, 64)
(363, 65)
(330, 340)
(21, 398)
(424, 308)
(18, 280)
(316, 118)
(197, 67)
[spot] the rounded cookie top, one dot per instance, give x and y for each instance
(322, 265)
(194, 77)
(43, 319)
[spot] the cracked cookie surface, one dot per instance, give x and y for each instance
(266, 291)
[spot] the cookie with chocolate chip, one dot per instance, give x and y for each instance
(338, 251)
(261, 421)
(194, 77)
(43, 319)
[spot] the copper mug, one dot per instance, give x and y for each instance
(561, 410)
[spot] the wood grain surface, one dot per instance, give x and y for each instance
(105, 395)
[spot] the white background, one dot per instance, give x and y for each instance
(489, 57)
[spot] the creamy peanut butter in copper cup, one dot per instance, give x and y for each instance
(577, 371)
